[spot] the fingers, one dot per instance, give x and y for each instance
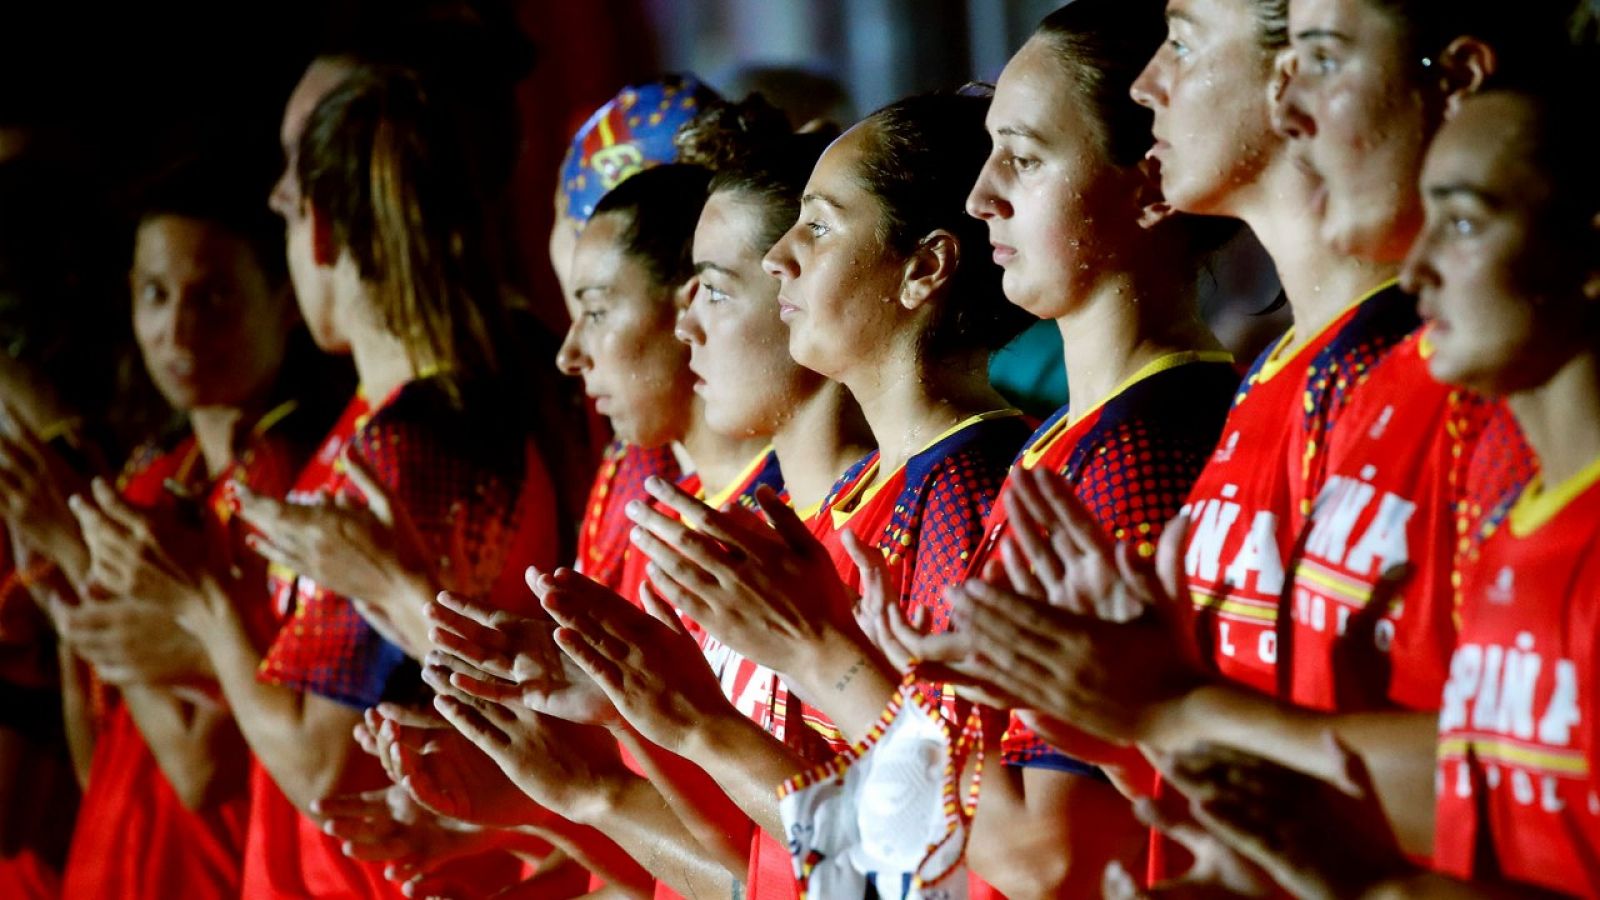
(93, 520)
(408, 716)
(379, 501)
(21, 443)
(675, 546)
(1117, 884)
(1019, 573)
(268, 515)
(788, 524)
(680, 597)
(274, 554)
(368, 804)
(602, 668)
(598, 613)
(1022, 627)
(366, 738)
(118, 510)
(469, 643)
(474, 682)
(1066, 512)
(472, 724)
(538, 581)
(877, 582)
(479, 624)
(470, 654)
(1169, 557)
(661, 609)
(694, 515)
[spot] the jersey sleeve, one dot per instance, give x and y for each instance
(461, 497)
(1132, 478)
(1380, 325)
(957, 503)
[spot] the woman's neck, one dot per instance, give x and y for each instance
(216, 432)
(1561, 418)
(381, 361)
(1130, 319)
(1318, 283)
(717, 459)
(825, 434)
(909, 400)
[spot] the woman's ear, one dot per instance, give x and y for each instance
(1464, 67)
(931, 265)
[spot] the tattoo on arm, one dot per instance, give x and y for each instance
(850, 674)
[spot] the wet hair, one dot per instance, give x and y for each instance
(663, 207)
(753, 153)
(1566, 83)
(226, 194)
(920, 158)
(1105, 44)
(1522, 34)
(385, 170)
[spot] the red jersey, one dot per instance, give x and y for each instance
(1131, 459)
(468, 478)
(927, 516)
(1502, 466)
(603, 535)
(927, 519)
(134, 837)
(1260, 480)
(1517, 787)
(1387, 513)
(755, 691)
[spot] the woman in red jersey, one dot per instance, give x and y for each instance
(588, 172)
(632, 274)
(166, 801)
(749, 383)
(915, 355)
(361, 553)
(1506, 269)
(1242, 563)
(411, 303)
(60, 384)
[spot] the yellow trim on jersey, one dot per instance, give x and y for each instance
(1030, 456)
(1233, 607)
(1333, 582)
(721, 498)
(868, 485)
(1503, 750)
(1536, 506)
(1275, 364)
(275, 415)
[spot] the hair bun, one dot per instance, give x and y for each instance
(727, 134)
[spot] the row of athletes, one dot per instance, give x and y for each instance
(1371, 604)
